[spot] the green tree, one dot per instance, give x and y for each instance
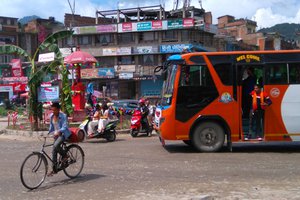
(38, 72)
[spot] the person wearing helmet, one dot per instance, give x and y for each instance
(145, 111)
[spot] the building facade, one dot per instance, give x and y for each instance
(135, 42)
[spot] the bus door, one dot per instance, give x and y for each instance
(248, 75)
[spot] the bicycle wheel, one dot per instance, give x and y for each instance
(75, 161)
(33, 170)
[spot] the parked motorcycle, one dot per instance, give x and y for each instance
(136, 125)
(109, 132)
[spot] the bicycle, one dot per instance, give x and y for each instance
(35, 166)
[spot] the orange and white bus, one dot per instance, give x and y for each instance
(203, 101)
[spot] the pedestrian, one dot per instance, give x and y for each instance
(90, 92)
(145, 111)
(60, 130)
(260, 100)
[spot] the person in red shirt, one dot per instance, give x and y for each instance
(260, 100)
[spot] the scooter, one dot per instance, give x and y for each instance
(109, 132)
(136, 125)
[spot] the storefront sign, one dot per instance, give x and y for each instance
(106, 28)
(173, 24)
(173, 48)
(19, 87)
(127, 26)
(124, 51)
(16, 67)
(188, 22)
(106, 72)
(109, 51)
(146, 49)
(89, 73)
(156, 25)
(48, 94)
(23, 79)
(125, 75)
(125, 68)
(144, 26)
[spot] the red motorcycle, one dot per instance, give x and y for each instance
(136, 125)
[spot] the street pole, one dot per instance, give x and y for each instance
(71, 27)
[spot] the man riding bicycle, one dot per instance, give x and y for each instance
(60, 130)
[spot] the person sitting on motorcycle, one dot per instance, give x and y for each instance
(104, 119)
(145, 111)
(95, 120)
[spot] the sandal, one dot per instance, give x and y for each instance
(51, 173)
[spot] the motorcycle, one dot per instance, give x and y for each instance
(136, 125)
(109, 132)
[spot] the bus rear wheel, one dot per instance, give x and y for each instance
(208, 137)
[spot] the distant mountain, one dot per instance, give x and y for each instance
(27, 19)
(290, 31)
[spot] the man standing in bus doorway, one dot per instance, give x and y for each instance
(90, 92)
(260, 100)
(248, 86)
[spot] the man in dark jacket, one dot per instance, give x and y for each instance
(145, 111)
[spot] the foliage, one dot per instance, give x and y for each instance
(288, 30)
(35, 79)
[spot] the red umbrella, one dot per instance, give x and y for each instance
(79, 57)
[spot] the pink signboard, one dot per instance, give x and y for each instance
(106, 28)
(188, 22)
(127, 26)
(156, 25)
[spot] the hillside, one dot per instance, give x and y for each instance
(288, 30)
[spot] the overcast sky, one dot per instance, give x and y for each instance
(265, 12)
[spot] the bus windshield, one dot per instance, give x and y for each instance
(169, 85)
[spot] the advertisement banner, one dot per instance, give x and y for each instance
(19, 87)
(126, 76)
(127, 26)
(89, 73)
(106, 72)
(124, 51)
(188, 22)
(46, 57)
(16, 67)
(146, 50)
(144, 26)
(125, 68)
(107, 28)
(46, 94)
(23, 79)
(173, 24)
(156, 25)
(109, 51)
(173, 48)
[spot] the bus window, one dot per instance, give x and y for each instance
(294, 73)
(196, 93)
(276, 73)
(225, 73)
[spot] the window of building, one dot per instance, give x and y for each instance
(294, 73)
(107, 61)
(148, 60)
(171, 36)
(126, 38)
(8, 22)
(105, 38)
(188, 35)
(148, 36)
(84, 40)
(276, 73)
(126, 60)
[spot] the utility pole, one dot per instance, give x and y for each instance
(71, 27)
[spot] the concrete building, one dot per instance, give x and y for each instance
(134, 42)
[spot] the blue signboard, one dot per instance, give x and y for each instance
(106, 72)
(144, 26)
(173, 48)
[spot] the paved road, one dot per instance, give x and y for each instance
(139, 168)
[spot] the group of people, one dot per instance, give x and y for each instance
(101, 117)
(255, 101)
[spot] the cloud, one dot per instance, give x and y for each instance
(265, 17)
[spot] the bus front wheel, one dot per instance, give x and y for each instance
(208, 137)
